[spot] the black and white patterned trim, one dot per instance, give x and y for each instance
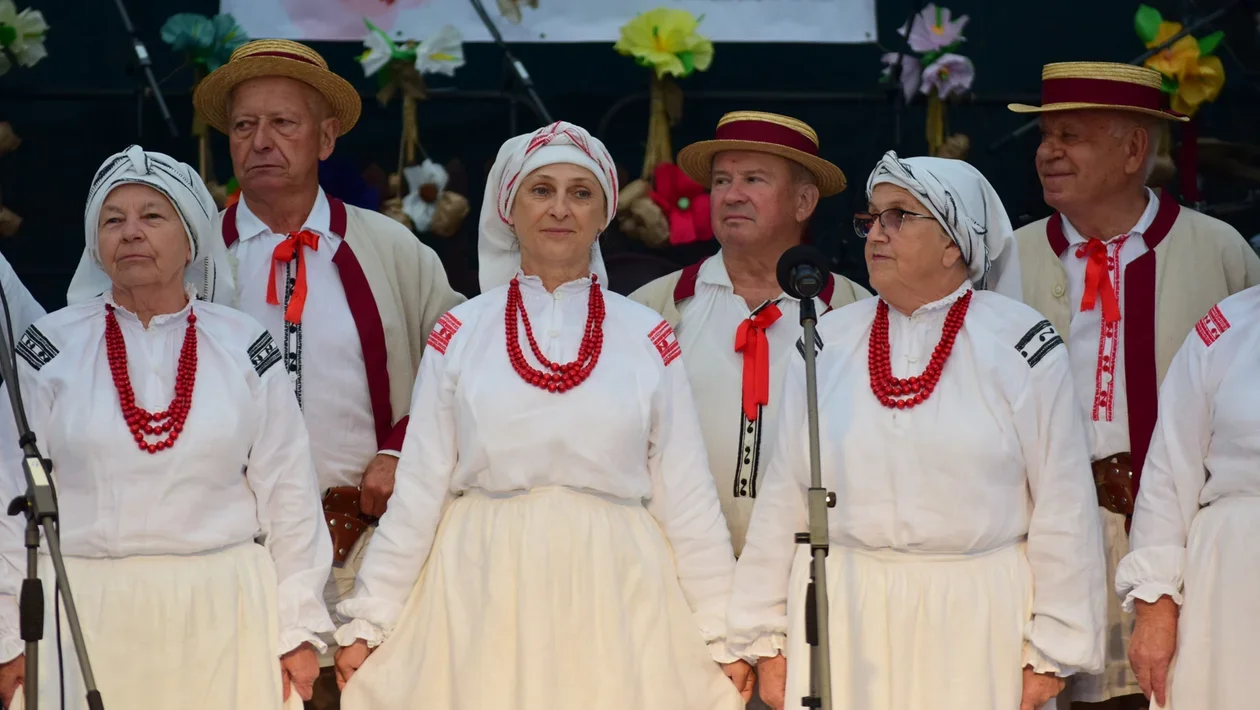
(292, 335)
(818, 345)
(264, 354)
(36, 349)
(1038, 342)
(748, 461)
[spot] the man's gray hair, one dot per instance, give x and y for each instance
(1123, 123)
(802, 175)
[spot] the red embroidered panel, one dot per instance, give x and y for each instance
(442, 332)
(662, 336)
(1212, 326)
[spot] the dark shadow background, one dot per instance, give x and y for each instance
(80, 105)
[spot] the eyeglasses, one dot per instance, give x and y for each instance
(890, 220)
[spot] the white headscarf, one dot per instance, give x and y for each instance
(498, 251)
(960, 198)
(208, 271)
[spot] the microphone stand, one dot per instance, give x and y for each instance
(817, 628)
(142, 57)
(39, 504)
(517, 68)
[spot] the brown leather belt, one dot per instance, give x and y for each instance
(1113, 477)
(346, 521)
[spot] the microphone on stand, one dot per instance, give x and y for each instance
(802, 274)
(39, 504)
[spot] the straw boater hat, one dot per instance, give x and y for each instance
(1071, 86)
(763, 133)
(275, 57)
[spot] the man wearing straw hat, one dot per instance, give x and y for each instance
(736, 327)
(1125, 275)
(349, 294)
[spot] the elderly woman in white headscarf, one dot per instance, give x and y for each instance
(554, 540)
(966, 567)
(190, 520)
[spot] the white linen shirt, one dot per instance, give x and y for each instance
(738, 450)
(23, 308)
(994, 457)
(334, 388)
(1205, 447)
(629, 431)
(240, 470)
(1107, 426)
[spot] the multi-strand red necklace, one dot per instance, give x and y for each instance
(899, 393)
(143, 423)
(557, 377)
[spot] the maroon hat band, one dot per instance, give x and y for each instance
(1101, 91)
(766, 132)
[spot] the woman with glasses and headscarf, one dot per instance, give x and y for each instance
(966, 567)
(554, 541)
(177, 447)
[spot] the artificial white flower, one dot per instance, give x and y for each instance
(426, 180)
(30, 28)
(442, 53)
(379, 51)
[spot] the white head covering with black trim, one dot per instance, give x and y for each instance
(209, 270)
(960, 198)
(498, 251)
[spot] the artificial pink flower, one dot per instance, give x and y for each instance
(933, 29)
(685, 202)
(951, 75)
(911, 72)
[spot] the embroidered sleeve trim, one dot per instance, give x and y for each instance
(1038, 342)
(445, 329)
(662, 336)
(1212, 326)
(264, 354)
(36, 349)
(818, 345)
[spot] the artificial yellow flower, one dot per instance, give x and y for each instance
(1199, 83)
(666, 40)
(1173, 60)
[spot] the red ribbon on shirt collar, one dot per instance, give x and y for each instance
(1098, 281)
(286, 251)
(750, 339)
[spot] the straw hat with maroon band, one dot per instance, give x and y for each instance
(763, 133)
(1073, 86)
(275, 57)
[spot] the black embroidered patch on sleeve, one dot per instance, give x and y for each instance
(1038, 342)
(263, 354)
(35, 348)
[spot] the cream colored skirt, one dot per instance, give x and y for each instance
(1217, 655)
(546, 600)
(917, 631)
(1117, 678)
(191, 632)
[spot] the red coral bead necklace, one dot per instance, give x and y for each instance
(141, 422)
(910, 392)
(556, 377)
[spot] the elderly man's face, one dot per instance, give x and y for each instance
(279, 129)
(141, 239)
(754, 198)
(1086, 156)
(914, 257)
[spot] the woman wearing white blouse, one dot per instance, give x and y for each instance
(176, 444)
(1193, 572)
(966, 567)
(553, 463)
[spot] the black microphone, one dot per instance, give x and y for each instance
(802, 272)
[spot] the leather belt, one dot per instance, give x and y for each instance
(346, 521)
(1113, 477)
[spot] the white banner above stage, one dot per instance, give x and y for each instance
(831, 21)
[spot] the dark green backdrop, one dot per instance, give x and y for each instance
(79, 105)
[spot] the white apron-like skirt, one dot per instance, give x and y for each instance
(916, 631)
(1217, 655)
(1117, 679)
(194, 632)
(551, 599)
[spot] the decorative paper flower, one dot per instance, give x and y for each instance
(22, 35)
(950, 75)
(911, 72)
(442, 53)
(666, 40)
(685, 202)
(511, 9)
(207, 42)
(425, 184)
(933, 29)
(381, 50)
(1192, 76)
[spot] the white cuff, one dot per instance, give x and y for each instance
(360, 629)
(766, 646)
(1041, 663)
(721, 651)
(1150, 593)
(389, 452)
(293, 638)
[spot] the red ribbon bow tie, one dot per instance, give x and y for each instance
(750, 339)
(1098, 281)
(286, 251)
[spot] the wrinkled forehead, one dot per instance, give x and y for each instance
(737, 162)
(132, 195)
(886, 196)
(274, 93)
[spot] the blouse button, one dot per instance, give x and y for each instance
(554, 333)
(1058, 291)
